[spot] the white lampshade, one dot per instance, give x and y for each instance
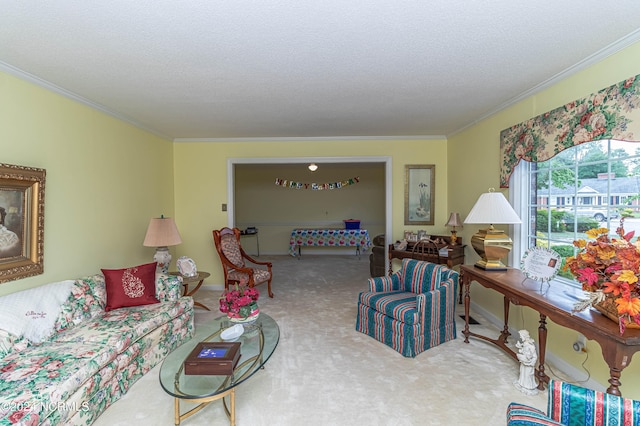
(492, 244)
(161, 233)
(492, 207)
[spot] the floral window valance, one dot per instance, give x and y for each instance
(611, 113)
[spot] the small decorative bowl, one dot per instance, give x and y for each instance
(232, 334)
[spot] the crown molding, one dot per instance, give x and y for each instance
(314, 139)
(23, 75)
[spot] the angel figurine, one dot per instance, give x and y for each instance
(527, 356)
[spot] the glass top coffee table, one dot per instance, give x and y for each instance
(257, 343)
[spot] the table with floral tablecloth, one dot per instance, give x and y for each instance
(358, 238)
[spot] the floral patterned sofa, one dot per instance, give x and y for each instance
(91, 356)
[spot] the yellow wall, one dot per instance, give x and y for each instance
(201, 183)
(105, 180)
(478, 149)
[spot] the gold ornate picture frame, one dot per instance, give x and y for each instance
(419, 194)
(21, 222)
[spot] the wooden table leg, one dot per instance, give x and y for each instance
(505, 329)
(614, 381)
(467, 301)
(617, 357)
(542, 341)
(192, 292)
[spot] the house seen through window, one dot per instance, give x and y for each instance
(592, 185)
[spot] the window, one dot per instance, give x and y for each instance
(588, 186)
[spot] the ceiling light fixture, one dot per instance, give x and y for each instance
(313, 167)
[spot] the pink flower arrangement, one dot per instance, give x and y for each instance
(240, 301)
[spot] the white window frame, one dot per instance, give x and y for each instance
(519, 200)
(519, 196)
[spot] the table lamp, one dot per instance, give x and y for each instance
(492, 244)
(162, 233)
(454, 220)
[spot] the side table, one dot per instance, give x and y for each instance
(202, 275)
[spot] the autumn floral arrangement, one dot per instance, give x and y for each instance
(608, 269)
(240, 302)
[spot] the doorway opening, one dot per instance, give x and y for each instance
(302, 162)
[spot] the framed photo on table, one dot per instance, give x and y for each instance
(540, 264)
(21, 222)
(419, 194)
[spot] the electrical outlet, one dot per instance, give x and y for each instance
(580, 345)
(224, 207)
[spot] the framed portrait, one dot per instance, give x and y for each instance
(419, 194)
(21, 222)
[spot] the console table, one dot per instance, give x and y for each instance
(555, 302)
(358, 238)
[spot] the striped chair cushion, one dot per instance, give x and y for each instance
(523, 415)
(399, 305)
(421, 277)
(577, 406)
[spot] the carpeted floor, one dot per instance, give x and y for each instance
(323, 372)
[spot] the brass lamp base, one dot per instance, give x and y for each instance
(491, 245)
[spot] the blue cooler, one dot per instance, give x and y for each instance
(351, 224)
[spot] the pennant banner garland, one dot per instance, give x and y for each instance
(316, 186)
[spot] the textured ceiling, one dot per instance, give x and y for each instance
(302, 69)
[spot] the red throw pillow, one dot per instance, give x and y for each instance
(131, 286)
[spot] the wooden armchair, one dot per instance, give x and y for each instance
(233, 258)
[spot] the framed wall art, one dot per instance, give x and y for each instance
(419, 194)
(21, 222)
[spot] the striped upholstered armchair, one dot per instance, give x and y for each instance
(572, 405)
(411, 310)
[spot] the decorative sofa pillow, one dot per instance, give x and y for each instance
(130, 286)
(32, 313)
